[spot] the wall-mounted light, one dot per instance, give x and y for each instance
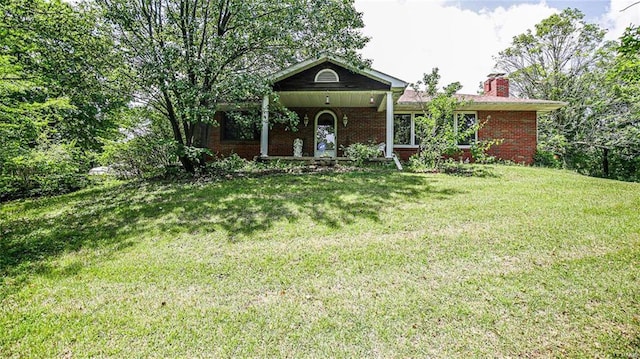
(326, 100)
(345, 120)
(371, 100)
(306, 120)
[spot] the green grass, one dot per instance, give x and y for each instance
(527, 263)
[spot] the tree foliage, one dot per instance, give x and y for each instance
(630, 41)
(436, 129)
(189, 56)
(60, 51)
(54, 102)
(567, 59)
(143, 148)
(558, 61)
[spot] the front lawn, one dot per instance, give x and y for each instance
(526, 263)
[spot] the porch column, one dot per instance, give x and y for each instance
(389, 141)
(264, 133)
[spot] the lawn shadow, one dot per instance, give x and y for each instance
(110, 218)
(334, 200)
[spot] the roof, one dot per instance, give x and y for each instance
(393, 82)
(411, 99)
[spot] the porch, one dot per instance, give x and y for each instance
(337, 105)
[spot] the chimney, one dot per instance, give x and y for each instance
(496, 85)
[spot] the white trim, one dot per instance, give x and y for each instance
(264, 132)
(540, 106)
(372, 74)
(315, 131)
(327, 70)
(389, 150)
(412, 139)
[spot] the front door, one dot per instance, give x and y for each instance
(326, 136)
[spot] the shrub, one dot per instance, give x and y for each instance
(225, 165)
(147, 155)
(480, 150)
(545, 158)
(45, 170)
(360, 152)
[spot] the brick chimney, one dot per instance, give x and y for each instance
(496, 85)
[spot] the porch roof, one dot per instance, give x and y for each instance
(393, 82)
(349, 93)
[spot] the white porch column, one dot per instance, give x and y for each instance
(389, 141)
(264, 133)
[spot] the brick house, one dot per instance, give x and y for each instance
(338, 106)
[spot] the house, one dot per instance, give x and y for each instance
(339, 106)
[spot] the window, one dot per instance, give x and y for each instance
(240, 126)
(402, 129)
(327, 75)
(404, 134)
(465, 122)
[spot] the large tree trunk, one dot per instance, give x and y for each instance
(187, 164)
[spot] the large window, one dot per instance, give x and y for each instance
(402, 129)
(406, 135)
(240, 126)
(465, 123)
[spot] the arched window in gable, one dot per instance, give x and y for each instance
(327, 75)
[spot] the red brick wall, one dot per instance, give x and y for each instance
(404, 153)
(245, 149)
(518, 131)
(516, 128)
(364, 125)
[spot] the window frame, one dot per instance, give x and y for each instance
(412, 141)
(414, 114)
(474, 139)
(326, 70)
(223, 129)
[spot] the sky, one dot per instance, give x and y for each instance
(461, 37)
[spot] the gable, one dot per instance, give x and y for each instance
(315, 79)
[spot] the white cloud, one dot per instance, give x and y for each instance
(617, 20)
(410, 37)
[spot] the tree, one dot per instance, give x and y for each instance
(556, 62)
(436, 128)
(59, 49)
(622, 116)
(189, 56)
(630, 41)
(54, 102)
(567, 59)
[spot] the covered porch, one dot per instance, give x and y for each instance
(337, 107)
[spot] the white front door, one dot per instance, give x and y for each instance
(326, 135)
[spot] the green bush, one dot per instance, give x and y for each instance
(359, 153)
(544, 158)
(44, 170)
(226, 165)
(147, 155)
(480, 150)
